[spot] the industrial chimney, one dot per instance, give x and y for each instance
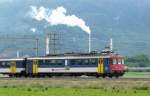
(111, 44)
(47, 45)
(18, 54)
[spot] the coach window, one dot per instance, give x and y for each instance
(122, 61)
(86, 61)
(40, 61)
(78, 62)
(47, 61)
(7, 64)
(114, 61)
(2, 64)
(72, 62)
(44, 61)
(92, 61)
(59, 62)
(53, 61)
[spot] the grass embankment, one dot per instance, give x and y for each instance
(137, 74)
(70, 92)
(74, 87)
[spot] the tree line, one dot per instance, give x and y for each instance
(140, 60)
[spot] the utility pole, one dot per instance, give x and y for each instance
(111, 44)
(52, 43)
(18, 54)
(47, 45)
(37, 46)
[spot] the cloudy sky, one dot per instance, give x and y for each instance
(124, 20)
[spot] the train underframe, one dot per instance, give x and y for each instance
(38, 75)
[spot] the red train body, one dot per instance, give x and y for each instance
(117, 65)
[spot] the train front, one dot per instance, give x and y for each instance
(117, 66)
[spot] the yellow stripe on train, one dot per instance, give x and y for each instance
(13, 67)
(35, 67)
(100, 66)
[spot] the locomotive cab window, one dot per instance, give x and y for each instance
(119, 61)
(114, 61)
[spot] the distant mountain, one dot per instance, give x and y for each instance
(126, 21)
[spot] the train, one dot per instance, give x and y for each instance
(103, 64)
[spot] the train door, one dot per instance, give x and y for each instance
(106, 65)
(13, 67)
(25, 66)
(28, 67)
(31, 67)
(101, 66)
(35, 67)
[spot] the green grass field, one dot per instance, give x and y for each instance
(74, 87)
(70, 92)
(137, 74)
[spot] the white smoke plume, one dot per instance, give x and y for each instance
(58, 16)
(33, 30)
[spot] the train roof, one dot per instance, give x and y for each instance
(68, 56)
(11, 59)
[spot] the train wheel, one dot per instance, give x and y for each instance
(117, 76)
(97, 76)
(110, 76)
(104, 76)
(49, 75)
(12, 75)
